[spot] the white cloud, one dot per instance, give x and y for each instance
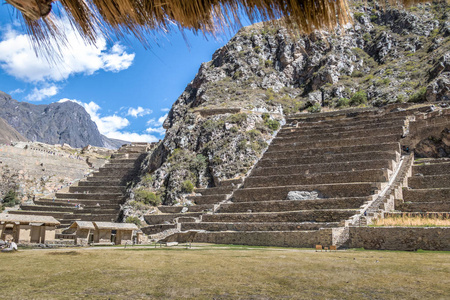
(165, 109)
(16, 91)
(111, 126)
(156, 125)
(45, 92)
(138, 112)
(18, 59)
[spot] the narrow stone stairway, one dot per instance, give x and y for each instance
(97, 197)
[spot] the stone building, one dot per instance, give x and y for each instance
(102, 232)
(27, 228)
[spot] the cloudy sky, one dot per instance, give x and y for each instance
(126, 89)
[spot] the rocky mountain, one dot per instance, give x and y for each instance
(8, 134)
(224, 119)
(56, 123)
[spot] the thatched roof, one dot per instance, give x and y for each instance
(143, 17)
(82, 225)
(27, 219)
(115, 226)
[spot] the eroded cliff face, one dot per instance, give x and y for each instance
(224, 119)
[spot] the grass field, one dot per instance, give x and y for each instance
(213, 272)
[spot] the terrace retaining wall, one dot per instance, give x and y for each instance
(400, 238)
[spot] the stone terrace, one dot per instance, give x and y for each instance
(428, 188)
(100, 195)
(346, 157)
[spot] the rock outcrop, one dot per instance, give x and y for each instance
(56, 123)
(9, 134)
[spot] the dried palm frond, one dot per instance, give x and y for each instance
(141, 17)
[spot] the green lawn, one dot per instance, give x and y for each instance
(222, 272)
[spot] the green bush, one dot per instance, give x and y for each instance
(420, 96)
(134, 220)
(315, 108)
(10, 199)
(147, 197)
(187, 186)
(343, 102)
(358, 98)
(238, 118)
(254, 134)
(357, 73)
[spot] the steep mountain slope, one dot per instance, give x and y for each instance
(8, 134)
(56, 123)
(386, 56)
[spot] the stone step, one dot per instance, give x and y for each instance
(119, 166)
(428, 161)
(94, 197)
(231, 182)
(128, 161)
(426, 195)
(68, 209)
(86, 203)
(167, 218)
(154, 229)
(342, 113)
(114, 172)
(178, 209)
(201, 208)
(308, 136)
(337, 190)
(273, 154)
(96, 189)
(101, 182)
(215, 190)
(253, 226)
(427, 182)
(287, 130)
(434, 215)
(293, 205)
(440, 206)
(208, 199)
(395, 120)
(98, 217)
(318, 178)
(56, 214)
(432, 169)
(334, 215)
(285, 146)
(299, 239)
(127, 155)
(331, 158)
(324, 167)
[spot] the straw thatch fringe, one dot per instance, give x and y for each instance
(141, 17)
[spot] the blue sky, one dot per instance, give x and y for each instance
(126, 89)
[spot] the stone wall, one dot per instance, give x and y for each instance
(301, 239)
(400, 238)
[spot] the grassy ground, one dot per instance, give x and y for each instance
(213, 272)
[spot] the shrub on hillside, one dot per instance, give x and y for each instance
(147, 197)
(10, 199)
(419, 96)
(358, 98)
(315, 108)
(187, 186)
(134, 220)
(343, 102)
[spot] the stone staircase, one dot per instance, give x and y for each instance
(428, 189)
(345, 158)
(99, 195)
